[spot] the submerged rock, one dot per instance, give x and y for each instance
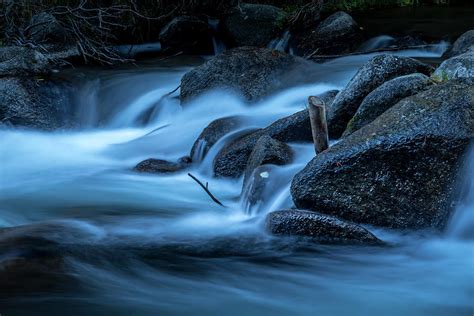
(162, 166)
(254, 187)
(337, 34)
(187, 34)
(253, 24)
(323, 228)
(251, 72)
(384, 97)
(212, 133)
(464, 44)
(400, 170)
(32, 261)
(375, 72)
(461, 66)
(35, 103)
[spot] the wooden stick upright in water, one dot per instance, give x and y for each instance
(319, 125)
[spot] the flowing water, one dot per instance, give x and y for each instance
(157, 245)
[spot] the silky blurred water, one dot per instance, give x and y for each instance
(178, 253)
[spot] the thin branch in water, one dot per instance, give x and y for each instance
(206, 189)
(378, 50)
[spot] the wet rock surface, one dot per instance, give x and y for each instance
(252, 72)
(337, 34)
(188, 35)
(384, 97)
(231, 161)
(213, 133)
(464, 44)
(375, 72)
(20, 61)
(460, 66)
(35, 103)
(162, 166)
(400, 170)
(252, 24)
(267, 151)
(324, 228)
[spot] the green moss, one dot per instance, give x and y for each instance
(281, 21)
(443, 77)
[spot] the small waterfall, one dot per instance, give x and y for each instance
(462, 222)
(377, 42)
(219, 46)
(281, 44)
(130, 51)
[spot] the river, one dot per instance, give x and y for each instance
(157, 245)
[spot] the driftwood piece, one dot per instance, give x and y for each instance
(206, 189)
(319, 126)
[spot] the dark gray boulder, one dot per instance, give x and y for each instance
(252, 24)
(375, 72)
(460, 66)
(324, 228)
(162, 166)
(337, 34)
(231, 161)
(305, 17)
(187, 34)
(463, 44)
(18, 61)
(45, 28)
(400, 170)
(384, 97)
(251, 72)
(212, 133)
(42, 104)
(267, 151)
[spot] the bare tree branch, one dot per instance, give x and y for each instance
(206, 189)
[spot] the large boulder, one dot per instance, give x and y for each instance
(375, 72)
(384, 97)
(187, 34)
(43, 104)
(337, 34)
(18, 61)
(45, 28)
(213, 133)
(306, 17)
(461, 66)
(251, 72)
(463, 44)
(324, 228)
(253, 24)
(231, 161)
(400, 170)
